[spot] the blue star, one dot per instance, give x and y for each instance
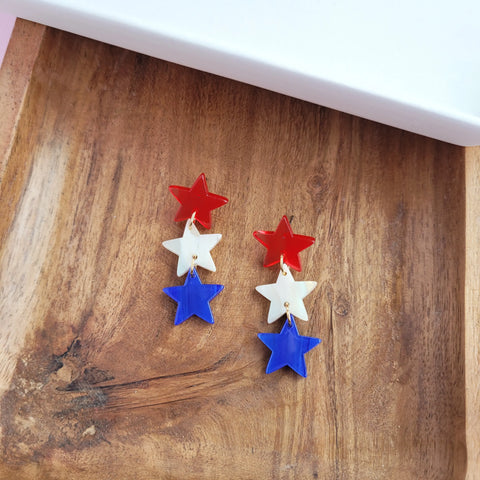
(288, 348)
(193, 298)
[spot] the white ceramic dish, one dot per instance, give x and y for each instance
(411, 64)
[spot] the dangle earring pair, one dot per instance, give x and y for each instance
(286, 295)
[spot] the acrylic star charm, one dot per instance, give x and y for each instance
(288, 348)
(285, 294)
(198, 200)
(193, 298)
(283, 242)
(193, 247)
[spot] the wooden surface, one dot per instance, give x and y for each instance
(97, 383)
(472, 311)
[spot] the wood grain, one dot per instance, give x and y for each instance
(472, 323)
(15, 76)
(97, 383)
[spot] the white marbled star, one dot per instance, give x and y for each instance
(193, 246)
(286, 291)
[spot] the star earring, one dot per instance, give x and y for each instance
(193, 250)
(286, 298)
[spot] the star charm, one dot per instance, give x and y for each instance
(193, 247)
(193, 298)
(198, 200)
(283, 242)
(288, 348)
(286, 293)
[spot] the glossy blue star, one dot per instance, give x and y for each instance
(193, 298)
(288, 348)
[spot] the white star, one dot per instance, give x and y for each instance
(286, 291)
(193, 247)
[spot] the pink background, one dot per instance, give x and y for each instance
(6, 27)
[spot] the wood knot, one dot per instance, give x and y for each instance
(342, 306)
(317, 187)
(316, 182)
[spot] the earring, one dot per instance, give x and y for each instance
(286, 297)
(193, 250)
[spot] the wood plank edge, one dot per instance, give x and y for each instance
(472, 311)
(15, 76)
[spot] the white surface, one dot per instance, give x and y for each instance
(6, 26)
(410, 64)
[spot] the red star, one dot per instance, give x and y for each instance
(197, 199)
(283, 242)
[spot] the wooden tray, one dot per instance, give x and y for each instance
(97, 383)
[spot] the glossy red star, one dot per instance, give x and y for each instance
(283, 242)
(197, 199)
